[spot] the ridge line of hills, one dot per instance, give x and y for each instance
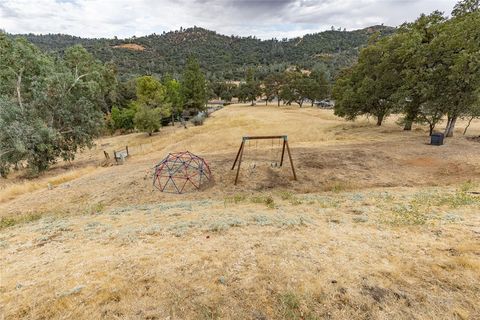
(221, 57)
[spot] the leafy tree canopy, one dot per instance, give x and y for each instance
(49, 107)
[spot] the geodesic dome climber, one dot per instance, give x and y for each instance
(181, 172)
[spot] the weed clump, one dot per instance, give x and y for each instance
(236, 199)
(290, 197)
(6, 222)
(266, 200)
(407, 215)
(458, 199)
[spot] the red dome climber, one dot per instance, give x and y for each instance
(181, 172)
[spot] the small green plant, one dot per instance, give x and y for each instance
(285, 195)
(290, 197)
(237, 198)
(97, 208)
(295, 201)
(467, 186)
(31, 217)
(290, 304)
(267, 200)
(6, 222)
(407, 215)
(458, 199)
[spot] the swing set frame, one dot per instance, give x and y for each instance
(247, 138)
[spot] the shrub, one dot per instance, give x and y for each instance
(122, 118)
(198, 120)
(148, 120)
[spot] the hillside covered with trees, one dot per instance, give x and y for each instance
(221, 57)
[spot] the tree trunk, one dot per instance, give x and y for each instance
(411, 115)
(431, 127)
(278, 102)
(450, 126)
(447, 125)
(312, 104)
(468, 125)
(266, 102)
(408, 125)
(380, 120)
(409, 121)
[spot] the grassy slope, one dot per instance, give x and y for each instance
(379, 225)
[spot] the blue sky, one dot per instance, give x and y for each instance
(263, 19)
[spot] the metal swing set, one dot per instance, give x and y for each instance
(274, 164)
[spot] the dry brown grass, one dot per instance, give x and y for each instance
(213, 259)
(13, 190)
(380, 225)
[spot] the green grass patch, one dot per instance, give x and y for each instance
(6, 222)
(458, 199)
(267, 200)
(292, 307)
(290, 197)
(408, 215)
(235, 199)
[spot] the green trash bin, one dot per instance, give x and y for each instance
(437, 139)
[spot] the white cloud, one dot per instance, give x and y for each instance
(264, 19)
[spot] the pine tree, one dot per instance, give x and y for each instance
(193, 86)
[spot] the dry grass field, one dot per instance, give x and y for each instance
(379, 225)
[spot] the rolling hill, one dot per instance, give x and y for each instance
(221, 56)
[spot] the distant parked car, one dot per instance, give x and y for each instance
(326, 104)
